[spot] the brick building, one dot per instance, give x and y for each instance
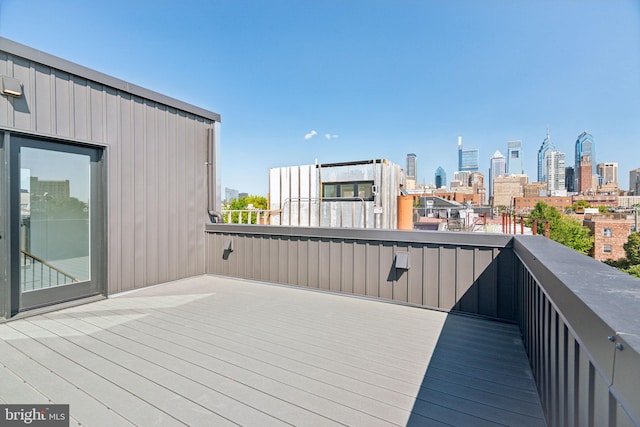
(526, 204)
(506, 188)
(610, 232)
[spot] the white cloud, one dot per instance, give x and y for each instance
(330, 136)
(310, 135)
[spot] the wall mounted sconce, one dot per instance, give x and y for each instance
(11, 86)
(401, 260)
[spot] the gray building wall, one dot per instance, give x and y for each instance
(156, 151)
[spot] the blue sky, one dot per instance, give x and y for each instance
(382, 78)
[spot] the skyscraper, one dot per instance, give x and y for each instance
(468, 160)
(570, 179)
(546, 146)
(412, 166)
(515, 162)
(586, 146)
(585, 175)
(634, 181)
(497, 167)
(555, 172)
(441, 178)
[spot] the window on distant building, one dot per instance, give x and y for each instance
(606, 232)
(606, 249)
(353, 190)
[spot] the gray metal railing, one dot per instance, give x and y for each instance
(39, 274)
(578, 317)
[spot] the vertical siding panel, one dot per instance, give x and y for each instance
(181, 196)
(21, 106)
(324, 261)
(163, 201)
(4, 106)
(416, 275)
(335, 265)
(114, 190)
(63, 90)
(283, 259)
(360, 268)
(140, 190)
(386, 271)
(43, 99)
(274, 258)
(173, 228)
(303, 261)
(487, 281)
(447, 277)
(347, 266)
(314, 262)
(191, 235)
(96, 122)
(401, 285)
(152, 190)
(80, 108)
(127, 193)
(373, 274)
(466, 291)
(293, 261)
(431, 281)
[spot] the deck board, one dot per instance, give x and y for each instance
(215, 351)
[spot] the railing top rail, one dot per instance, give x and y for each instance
(45, 263)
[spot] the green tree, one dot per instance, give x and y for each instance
(634, 270)
(632, 248)
(245, 203)
(580, 204)
(562, 228)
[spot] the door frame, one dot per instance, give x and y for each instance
(9, 225)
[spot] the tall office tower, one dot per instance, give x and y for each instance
(546, 146)
(441, 178)
(459, 153)
(497, 167)
(608, 172)
(634, 181)
(585, 175)
(569, 179)
(468, 160)
(586, 146)
(555, 171)
(515, 162)
(412, 166)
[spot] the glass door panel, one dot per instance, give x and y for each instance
(55, 211)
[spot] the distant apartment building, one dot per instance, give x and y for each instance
(610, 233)
(628, 202)
(526, 204)
(507, 188)
(598, 199)
(440, 178)
(634, 182)
(497, 167)
(608, 172)
(360, 194)
(535, 189)
(555, 165)
(515, 161)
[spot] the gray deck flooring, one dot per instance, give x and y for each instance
(211, 351)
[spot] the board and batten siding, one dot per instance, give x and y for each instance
(156, 173)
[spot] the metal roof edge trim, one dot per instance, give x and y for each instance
(31, 54)
(423, 237)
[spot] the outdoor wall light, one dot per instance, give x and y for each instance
(228, 245)
(401, 260)
(11, 86)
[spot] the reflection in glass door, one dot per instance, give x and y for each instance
(54, 218)
(57, 224)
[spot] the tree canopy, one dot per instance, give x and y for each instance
(562, 228)
(245, 203)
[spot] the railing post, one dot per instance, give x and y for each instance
(521, 225)
(546, 229)
(534, 230)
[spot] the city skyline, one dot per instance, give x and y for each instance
(297, 82)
